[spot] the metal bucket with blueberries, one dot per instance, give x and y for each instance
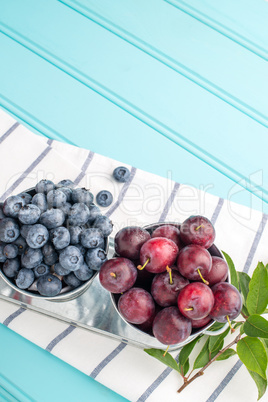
(53, 241)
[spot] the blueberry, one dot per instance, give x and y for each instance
(56, 199)
(94, 212)
(31, 257)
(22, 245)
(82, 195)
(50, 254)
(12, 206)
(81, 248)
(59, 270)
(2, 215)
(92, 237)
(11, 250)
(71, 258)
(104, 198)
(40, 200)
(49, 285)
(72, 280)
(26, 197)
(11, 267)
(2, 255)
(104, 224)
(40, 270)
(9, 230)
(44, 186)
(29, 214)
(65, 183)
(121, 174)
(66, 208)
(52, 218)
(24, 229)
(84, 273)
(37, 236)
(75, 232)
(68, 193)
(24, 278)
(95, 257)
(60, 237)
(78, 214)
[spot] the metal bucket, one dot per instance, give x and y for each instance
(214, 251)
(67, 293)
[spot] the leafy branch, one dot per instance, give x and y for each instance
(201, 372)
(251, 339)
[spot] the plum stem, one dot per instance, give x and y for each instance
(166, 351)
(169, 270)
(113, 274)
(199, 227)
(140, 267)
(188, 309)
(230, 325)
(201, 276)
(188, 381)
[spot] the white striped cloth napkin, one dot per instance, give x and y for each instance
(25, 158)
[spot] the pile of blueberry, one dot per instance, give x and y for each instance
(168, 281)
(52, 238)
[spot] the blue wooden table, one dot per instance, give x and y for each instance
(164, 85)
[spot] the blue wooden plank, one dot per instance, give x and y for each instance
(61, 108)
(127, 82)
(244, 21)
(188, 46)
(56, 381)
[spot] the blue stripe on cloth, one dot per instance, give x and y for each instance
(225, 382)
(250, 257)
(107, 360)
(155, 384)
(122, 193)
(217, 211)
(8, 132)
(12, 316)
(59, 338)
(169, 202)
(255, 243)
(27, 171)
(84, 167)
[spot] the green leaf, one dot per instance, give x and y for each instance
(244, 311)
(205, 356)
(265, 344)
(233, 272)
(215, 341)
(256, 326)
(257, 298)
(226, 354)
(184, 368)
(244, 280)
(237, 324)
(168, 360)
(216, 326)
(186, 351)
(260, 382)
(252, 353)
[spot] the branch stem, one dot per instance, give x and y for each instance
(201, 371)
